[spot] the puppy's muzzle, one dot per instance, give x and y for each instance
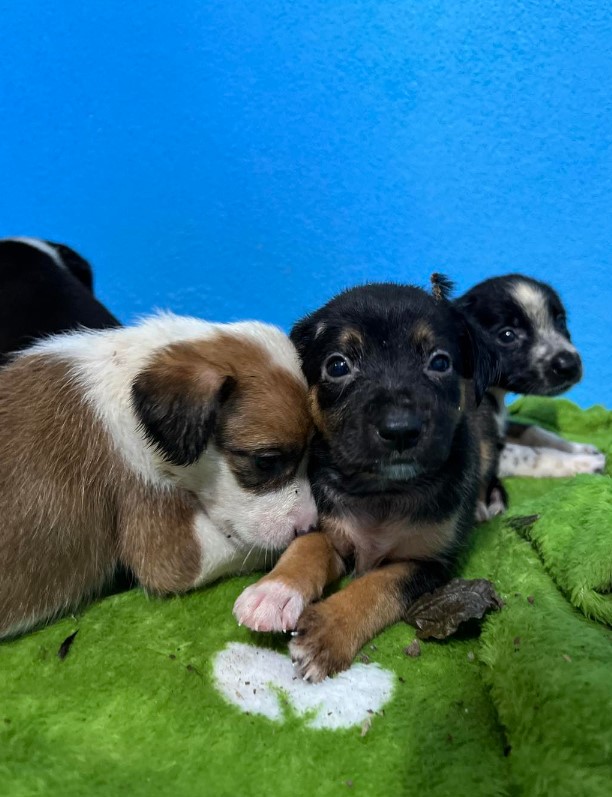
(400, 429)
(565, 367)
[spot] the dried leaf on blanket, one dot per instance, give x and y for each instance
(439, 614)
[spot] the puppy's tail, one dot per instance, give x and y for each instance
(441, 286)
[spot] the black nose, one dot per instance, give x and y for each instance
(566, 366)
(401, 428)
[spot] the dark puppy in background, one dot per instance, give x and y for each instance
(525, 321)
(45, 288)
(394, 378)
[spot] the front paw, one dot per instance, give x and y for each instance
(585, 463)
(496, 505)
(584, 448)
(269, 605)
(319, 646)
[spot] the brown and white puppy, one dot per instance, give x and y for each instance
(525, 322)
(394, 378)
(175, 448)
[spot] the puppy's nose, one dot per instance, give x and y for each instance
(401, 428)
(566, 366)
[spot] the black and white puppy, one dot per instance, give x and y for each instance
(394, 378)
(45, 288)
(526, 322)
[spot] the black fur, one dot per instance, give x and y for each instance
(38, 297)
(527, 364)
(177, 423)
(493, 307)
(356, 472)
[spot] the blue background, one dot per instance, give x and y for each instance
(249, 158)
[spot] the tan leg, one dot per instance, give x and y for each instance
(330, 633)
(157, 539)
(300, 576)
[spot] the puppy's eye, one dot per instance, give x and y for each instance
(440, 362)
(507, 335)
(337, 366)
(270, 462)
(560, 321)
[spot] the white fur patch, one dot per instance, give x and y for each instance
(254, 679)
(533, 301)
(546, 463)
(42, 246)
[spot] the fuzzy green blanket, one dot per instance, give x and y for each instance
(172, 698)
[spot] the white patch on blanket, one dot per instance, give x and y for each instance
(253, 679)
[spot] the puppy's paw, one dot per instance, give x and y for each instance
(584, 448)
(584, 463)
(269, 606)
(496, 505)
(319, 647)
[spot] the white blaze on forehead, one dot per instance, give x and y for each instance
(42, 246)
(251, 678)
(534, 303)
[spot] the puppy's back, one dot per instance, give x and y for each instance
(57, 538)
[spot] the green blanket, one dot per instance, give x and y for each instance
(172, 698)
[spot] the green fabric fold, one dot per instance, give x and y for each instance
(573, 537)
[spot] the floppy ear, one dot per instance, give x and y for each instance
(303, 336)
(177, 399)
(77, 265)
(480, 360)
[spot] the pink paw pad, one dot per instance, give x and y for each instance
(269, 606)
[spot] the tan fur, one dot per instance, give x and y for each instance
(373, 544)
(422, 335)
(331, 632)
(59, 539)
(308, 566)
(156, 538)
(270, 403)
(318, 416)
(350, 338)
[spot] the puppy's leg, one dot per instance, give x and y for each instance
(330, 633)
(543, 463)
(167, 541)
(277, 600)
(492, 502)
(536, 437)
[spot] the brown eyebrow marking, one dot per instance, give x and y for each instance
(422, 334)
(350, 337)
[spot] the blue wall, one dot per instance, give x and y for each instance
(248, 158)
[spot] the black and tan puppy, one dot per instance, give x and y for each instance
(394, 378)
(45, 288)
(525, 322)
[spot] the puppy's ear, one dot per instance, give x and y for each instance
(77, 265)
(303, 336)
(480, 360)
(177, 399)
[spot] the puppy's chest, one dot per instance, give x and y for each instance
(374, 542)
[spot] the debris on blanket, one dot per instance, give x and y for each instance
(414, 649)
(439, 614)
(522, 521)
(64, 648)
